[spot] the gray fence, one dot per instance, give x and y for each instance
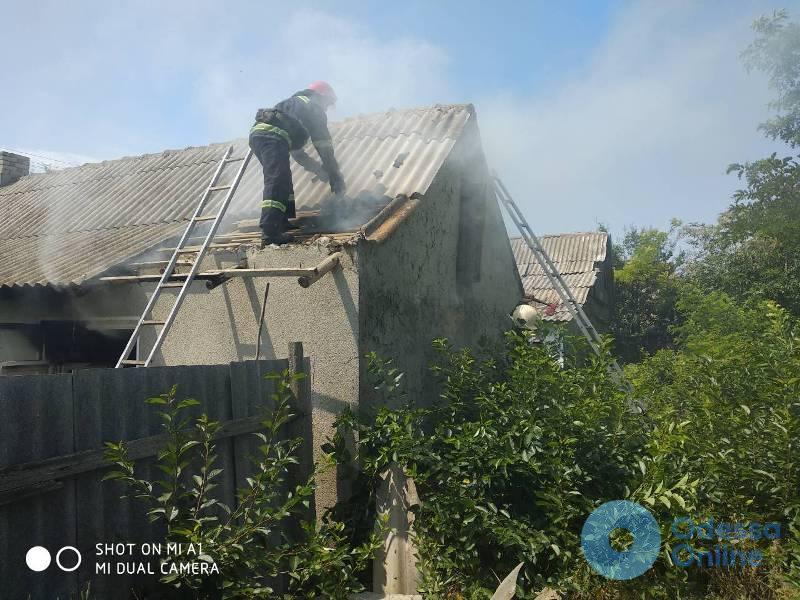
(52, 434)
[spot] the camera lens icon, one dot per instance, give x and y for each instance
(38, 558)
(596, 543)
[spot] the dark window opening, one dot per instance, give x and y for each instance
(472, 217)
(73, 345)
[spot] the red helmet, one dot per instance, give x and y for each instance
(324, 89)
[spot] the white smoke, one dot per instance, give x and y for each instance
(43, 161)
(643, 133)
(370, 74)
(640, 132)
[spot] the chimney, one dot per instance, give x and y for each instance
(12, 167)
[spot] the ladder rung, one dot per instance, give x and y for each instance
(200, 251)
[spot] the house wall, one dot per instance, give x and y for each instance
(413, 289)
(599, 306)
(446, 271)
(221, 326)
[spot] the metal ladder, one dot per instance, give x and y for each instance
(164, 282)
(554, 276)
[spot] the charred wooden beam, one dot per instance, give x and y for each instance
(325, 266)
(306, 276)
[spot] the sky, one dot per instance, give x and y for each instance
(624, 113)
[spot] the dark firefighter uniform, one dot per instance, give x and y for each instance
(277, 132)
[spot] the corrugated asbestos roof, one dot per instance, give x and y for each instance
(575, 255)
(64, 227)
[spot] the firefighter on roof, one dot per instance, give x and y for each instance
(285, 129)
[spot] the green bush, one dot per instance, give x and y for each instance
(724, 411)
(248, 541)
(518, 450)
(508, 462)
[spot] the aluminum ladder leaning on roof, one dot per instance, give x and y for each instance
(555, 278)
(164, 282)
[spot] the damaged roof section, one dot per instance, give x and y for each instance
(582, 259)
(65, 227)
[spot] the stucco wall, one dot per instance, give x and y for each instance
(410, 290)
(447, 271)
(599, 306)
(408, 286)
(221, 325)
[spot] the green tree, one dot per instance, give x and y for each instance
(753, 251)
(723, 410)
(776, 52)
(508, 462)
(646, 277)
(518, 450)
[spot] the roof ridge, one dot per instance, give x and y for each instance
(167, 151)
(395, 135)
(78, 181)
(12, 192)
(421, 109)
(519, 237)
(576, 233)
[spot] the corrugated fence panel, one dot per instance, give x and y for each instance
(250, 396)
(57, 415)
(36, 424)
(110, 407)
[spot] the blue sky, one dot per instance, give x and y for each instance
(623, 113)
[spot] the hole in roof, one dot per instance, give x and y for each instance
(400, 160)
